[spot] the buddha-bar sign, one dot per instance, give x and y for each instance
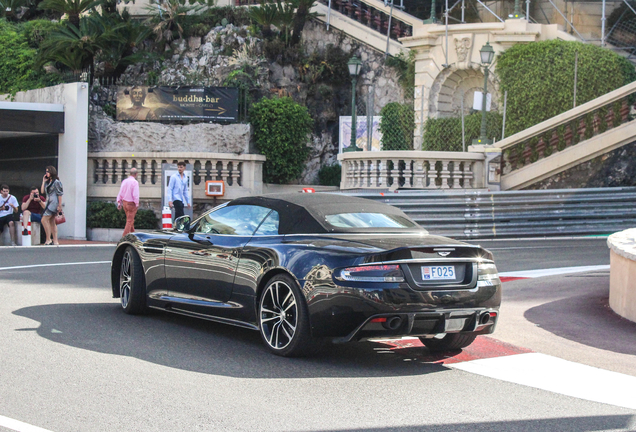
(142, 103)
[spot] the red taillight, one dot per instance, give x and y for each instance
(378, 320)
(372, 273)
(492, 314)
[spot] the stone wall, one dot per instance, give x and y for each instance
(613, 169)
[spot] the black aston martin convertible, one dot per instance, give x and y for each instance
(305, 268)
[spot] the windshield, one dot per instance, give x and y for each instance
(369, 220)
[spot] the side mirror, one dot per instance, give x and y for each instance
(182, 223)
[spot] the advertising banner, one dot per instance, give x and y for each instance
(141, 103)
(362, 135)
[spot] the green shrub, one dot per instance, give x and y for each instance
(445, 134)
(281, 130)
(329, 175)
(37, 30)
(102, 214)
(539, 78)
(397, 126)
(17, 62)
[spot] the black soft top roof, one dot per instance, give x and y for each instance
(304, 213)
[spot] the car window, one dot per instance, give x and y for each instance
(269, 225)
(368, 220)
(232, 220)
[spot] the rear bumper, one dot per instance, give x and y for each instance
(346, 313)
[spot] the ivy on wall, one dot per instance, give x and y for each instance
(539, 79)
(281, 132)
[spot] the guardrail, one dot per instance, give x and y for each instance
(412, 169)
(242, 174)
(484, 214)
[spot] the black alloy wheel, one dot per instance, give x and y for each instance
(451, 341)
(283, 318)
(132, 289)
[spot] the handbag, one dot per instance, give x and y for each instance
(60, 218)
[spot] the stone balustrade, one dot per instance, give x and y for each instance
(242, 174)
(622, 296)
(412, 169)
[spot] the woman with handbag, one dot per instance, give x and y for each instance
(52, 188)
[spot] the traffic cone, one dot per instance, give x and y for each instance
(26, 239)
(166, 218)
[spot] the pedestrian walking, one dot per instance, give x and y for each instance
(52, 188)
(128, 198)
(178, 191)
(8, 208)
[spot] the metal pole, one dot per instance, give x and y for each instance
(576, 66)
(483, 106)
(369, 118)
(603, 25)
(566, 20)
(489, 10)
(388, 31)
(422, 121)
(463, 130)
(354, 129)
(328, 14)
(446, 31)
(528, 10)
(517, 10)
(463, 7)
(503, 126)
(431, 19)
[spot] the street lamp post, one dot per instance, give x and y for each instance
(517, 14)
(432, 19)
(354, 65)
(487, 53)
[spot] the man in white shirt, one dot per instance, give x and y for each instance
(178, 191)
(8, 207)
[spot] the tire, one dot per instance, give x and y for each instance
(283, 318)
(132, 286)
(452, 341)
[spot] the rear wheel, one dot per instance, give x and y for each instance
(284, 319)
(132, 287)
(451, 341)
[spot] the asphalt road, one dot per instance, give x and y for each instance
(70, 360)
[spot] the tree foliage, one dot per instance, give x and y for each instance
(539, 79)
(17, 66)
(281, 131)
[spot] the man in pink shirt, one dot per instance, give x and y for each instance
(128, 197)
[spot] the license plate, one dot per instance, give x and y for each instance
(438, 272)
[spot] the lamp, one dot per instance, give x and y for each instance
(354, 65)
(516, 14)
(487, 54)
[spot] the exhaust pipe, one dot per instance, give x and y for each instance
(393, 323)
(484, 318)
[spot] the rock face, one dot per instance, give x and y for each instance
(108, 135)
(613, 169)
(220, 59)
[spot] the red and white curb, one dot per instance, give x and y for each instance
(530, 274)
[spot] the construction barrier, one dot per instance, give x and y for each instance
(26, 239)
(166, 218)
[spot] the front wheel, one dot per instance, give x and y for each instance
(451, 341)
(284, 319)
(132, 287)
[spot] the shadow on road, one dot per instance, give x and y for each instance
(207, 347)
(563, 424)
(587, 318)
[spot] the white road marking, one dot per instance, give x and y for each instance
(553, 271)
(53, 265)
(558, 376)
(19, 426)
